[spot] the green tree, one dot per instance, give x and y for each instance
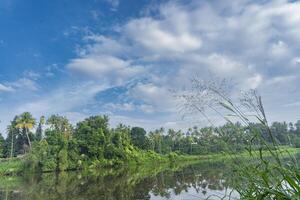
(157, 137)
(279, 130)
(2, 146)
(139, 138)
(12, 133)
(61, 146)
(91, 136)
(60, 124)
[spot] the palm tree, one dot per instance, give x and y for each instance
(156, 137)
(26, 122)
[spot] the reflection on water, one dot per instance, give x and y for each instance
(197, 181)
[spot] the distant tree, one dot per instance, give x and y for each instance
(10, 142)
(297, 127)
(26, 122)
(279, 130)
(39, 130)
(156, 137)
(2, 146)
(291, 127)
(60, 124)
(123, 135)
(138, 137)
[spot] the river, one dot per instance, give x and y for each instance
(181, 182)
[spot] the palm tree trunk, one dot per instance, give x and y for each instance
(28, 138)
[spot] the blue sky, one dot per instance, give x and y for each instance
(122, 57)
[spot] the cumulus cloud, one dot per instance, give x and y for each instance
(253, 82)
(109, 68)
(159, 97)
(157, 38)
(63, 99)
(254, 43)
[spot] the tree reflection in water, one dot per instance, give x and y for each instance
(164, 182)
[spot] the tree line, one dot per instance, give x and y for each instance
(56, 144)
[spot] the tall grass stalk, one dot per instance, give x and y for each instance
(262, 177)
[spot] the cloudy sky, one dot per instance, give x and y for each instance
(122, 57)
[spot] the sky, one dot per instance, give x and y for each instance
(123, 58)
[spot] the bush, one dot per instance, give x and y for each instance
(172, 156)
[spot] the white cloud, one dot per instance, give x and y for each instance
(62, 100)
(159, 97)
(130, 107)
(147, 108)
(253, 82)
(109, 68)
(223, 65)
(97, 66)
(279, 49)
(149, 33)
(4, 88)
(25, 84)
(102, 45)
(122, 107)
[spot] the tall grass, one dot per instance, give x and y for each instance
(276, 176)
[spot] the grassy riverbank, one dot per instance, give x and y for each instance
(15, 166)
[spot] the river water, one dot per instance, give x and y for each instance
(184, 182)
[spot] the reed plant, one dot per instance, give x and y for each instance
(271, 172)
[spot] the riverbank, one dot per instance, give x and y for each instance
(15, 166)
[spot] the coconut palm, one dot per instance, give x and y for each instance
(26, 122)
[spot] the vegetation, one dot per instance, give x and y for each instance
(92, 143)
(274, 177)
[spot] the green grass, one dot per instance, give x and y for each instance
(11, 166)
(284, 151)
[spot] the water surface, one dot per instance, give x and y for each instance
(194, 181)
